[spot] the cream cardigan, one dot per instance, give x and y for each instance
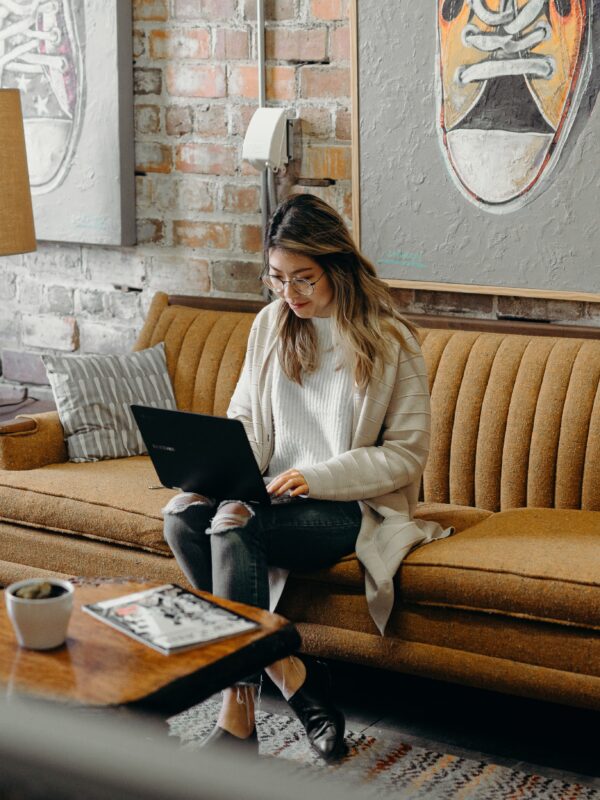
(383, 468)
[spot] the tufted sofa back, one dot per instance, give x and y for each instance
(515, 419)
(205, 351)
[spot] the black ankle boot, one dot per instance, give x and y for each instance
(323, 722)
(219, 737)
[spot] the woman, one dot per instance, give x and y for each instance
(334, 399)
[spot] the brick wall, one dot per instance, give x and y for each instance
(198, 204)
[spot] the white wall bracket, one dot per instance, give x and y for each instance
(268, 140)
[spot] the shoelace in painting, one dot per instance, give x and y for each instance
(509, 50)
(23, 53)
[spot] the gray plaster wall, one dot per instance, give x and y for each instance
(415, 223)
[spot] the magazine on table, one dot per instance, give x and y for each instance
(169, 618)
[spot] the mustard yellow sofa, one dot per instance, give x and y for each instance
(511, 602)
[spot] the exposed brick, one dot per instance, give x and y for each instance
(592, 311)
(193, 80)
(151, 10)
(231, 44)
(105, 337)
(55, 333)
(247, 170)
(178, 43)
(194, 193)
(143, 192)
(280, 82)
(277, 10)
(147, 119)
(210, 120)
(9, 285)
(213, 235)
(150, 231)
(54, 260)
(330, 194)
(403, 298)
(24, 367)
(124, 305)
(539, 308)
(153, 157)
(60, 300)
(240, 118)
(324, 82)
(315, 122)
(29, 291)
(139, 43)
(184, 193)
(251, 238)
(327, 161)
(12, 261)
(9, 328)
(343, 125)
(90, 302)
(212, 159)
(237, 276)
(454, 302)
(178, 120)
(178, 274)
(205, 9)
(339, 44)
(243, 81)
(147, 80)
(241, 199)
(327, 9)
(299, 44)
(109, 266)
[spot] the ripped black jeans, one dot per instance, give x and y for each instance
(233, 562)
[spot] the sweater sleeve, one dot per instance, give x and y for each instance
(240, 405)
(399, 456)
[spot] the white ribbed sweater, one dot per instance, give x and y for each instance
(312, 422)
(382, 469)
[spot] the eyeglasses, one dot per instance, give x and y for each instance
(300, 285)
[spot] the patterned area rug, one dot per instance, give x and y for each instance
(389, 766)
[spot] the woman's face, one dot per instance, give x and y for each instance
(286, 265)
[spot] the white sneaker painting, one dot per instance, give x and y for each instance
(510, 76)
(40, 54)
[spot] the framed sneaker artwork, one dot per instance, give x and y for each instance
(510, 80)
(479, 142)
(72, 62)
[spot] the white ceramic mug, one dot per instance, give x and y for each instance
(42, 623)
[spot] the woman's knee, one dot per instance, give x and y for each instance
(181, 502)
(231, 515)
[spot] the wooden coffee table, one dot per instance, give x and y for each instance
(101, 667)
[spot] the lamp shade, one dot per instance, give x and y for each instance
(17, 232)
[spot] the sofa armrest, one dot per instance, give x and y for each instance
(29, 442)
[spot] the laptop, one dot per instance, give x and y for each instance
(200, 453)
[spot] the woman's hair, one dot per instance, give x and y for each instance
(363, 306)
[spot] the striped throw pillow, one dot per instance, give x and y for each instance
(93, 394)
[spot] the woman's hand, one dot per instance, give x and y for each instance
(291, 481)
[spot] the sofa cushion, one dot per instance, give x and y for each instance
(451, 515)
(93, 394)
(107, 500)
(348, 571)
(540, 564)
